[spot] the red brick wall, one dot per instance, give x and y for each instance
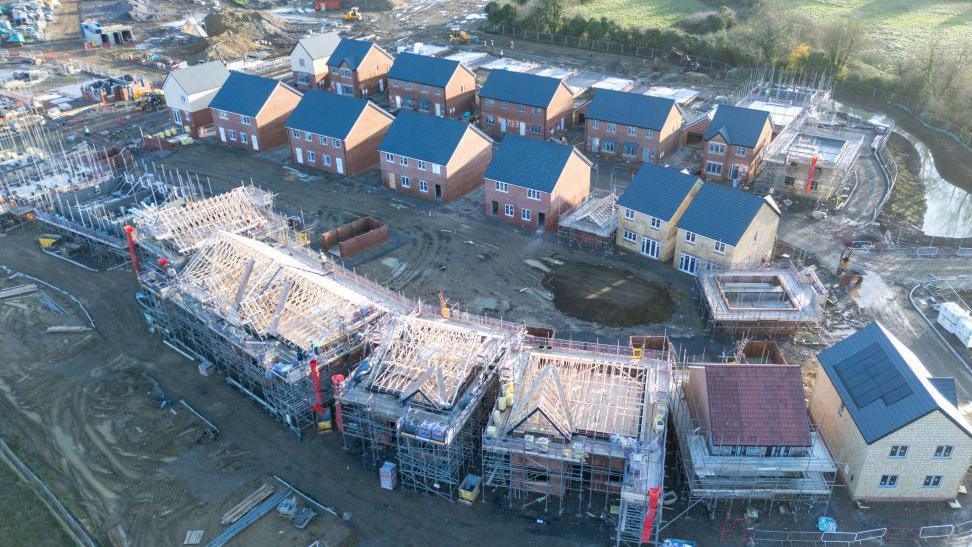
(462, 175)
(356, 236)
(315, 81)
(517, 196)
(370, 76)
(664, 141)
(357, 153)
(197, 121)
(268, 126)
(455, 99)
(549, 119)
(752, 161)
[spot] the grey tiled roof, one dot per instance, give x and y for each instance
(738, 126)
(529, 163)
(657, 191)
(520, 88)
(634, 109)
(423, 69)
(423, 137)
(721, 213)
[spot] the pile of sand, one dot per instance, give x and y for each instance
(234, 33)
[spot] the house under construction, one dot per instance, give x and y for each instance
(591, 225)
(273, 319)
(775, 299)
(744, 433)
(421, 396)
(582, 425)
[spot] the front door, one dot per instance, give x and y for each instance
(595, 144)
(391, 180)
(438, 109)
(649, 248)
(646, 154)
(502, 125)
(688, 264)
(253, 139)
(540, 221)
(299, 154)
(177, 117)
(495, 209)
(222, 134)
(438, 192)
(734, 172)
(339, 164)
(522, 129)
(398, 101)
(381, 86)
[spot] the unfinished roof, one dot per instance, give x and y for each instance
(775, 295)
(596, 215)
(633, 109)
(423, 69)
(520, 88)
(274, 293)
(429, 362)
(757, 405)
(883, 385)
(738, 126)
(319, 46)
(530, 163)
(563, 394)
(185, 223)
(657, 191)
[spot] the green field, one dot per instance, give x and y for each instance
(895, 25)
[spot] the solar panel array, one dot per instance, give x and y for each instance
(869, 375)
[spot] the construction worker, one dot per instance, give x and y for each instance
(87, 132)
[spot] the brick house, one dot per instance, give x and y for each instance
(188, 92)
(308, 60)
(632, 126)
(431, 85)
(358, 68)
(734, 143)
(530, 183)
(336, 133)
(524, 104)
(725, 228)
(649, 210)
(898, 430)
(433, 158)
(250, 111)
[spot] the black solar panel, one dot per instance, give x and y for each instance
(869, 375)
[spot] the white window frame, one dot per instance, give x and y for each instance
(323, 140)
(898, 452)
(326, 161)
(406, 183)
(436, 168)
(424, 89)
(629, 214)
(932, 481)
(403, 160)
(509, 210)
(308, 136)
(690, 237)
(741, 151)
(655, 223)
(244, 138)
(336, 142)
(389, 157)
(223, 115)
(719, 247)
(717, 148)
(632, 131)
(944, 452)
(628, 235)
(713, 168)
(525, 214)
(595, 124)
(611, 127)
(502, 187)
(424, 186)
(232, 135)
(888, 481)
(533, 194)
(408, 86)
(245, 120)
(422, 166)
(311, 156)
(648, 134)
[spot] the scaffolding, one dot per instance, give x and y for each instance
(714, 470)
(773, 299)
(591, 225)
(421, 395)
(582, 425)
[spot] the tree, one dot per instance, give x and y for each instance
(841, 40)
(548, 15)
(798, 57)
(773, 31)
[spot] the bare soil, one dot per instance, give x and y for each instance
(608, 295)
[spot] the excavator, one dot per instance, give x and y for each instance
(458, 36)
(354, 14)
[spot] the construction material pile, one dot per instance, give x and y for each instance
(234, 33)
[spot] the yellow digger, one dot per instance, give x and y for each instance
(354, 14)
(458, 36)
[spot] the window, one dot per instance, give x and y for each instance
(607, 146)
(525, 214)
(245, 120)
(944, 451)
(424, 89)
(436, 168)
(889, 481)
(223, 115)
(509, 210)
(630, 236)
(346, 72)
(690, 237)
(502, 187)
(422, 166)
(611, 127)
(438, 92)
(720, 247)
(311, 157)
(184, 98)
(294, 133)
(326, 161)
(535, 129)
(408, 86)
(337, 143)
(309, 137)
(898, 451)
(490, 102)
(932, 481)
(629, 213)
(394, 83)
(713, 168)
(405, 182)
(408, 102)
(648, 133)
(403, 160)
(323, 140)
(423, 186)
(717, 148)
(533, 194)
(788, 181)
(425, 106)
(243, 137)
(632, 131)
(490, 120)
(389, 157)
(595, 124)
(656, 223)
(232, 135)
(741, 151)
(301, 62)
(520, 108)
(629, 149)
(536, 111)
